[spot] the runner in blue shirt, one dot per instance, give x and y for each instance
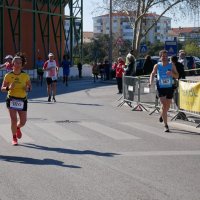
(66, 64)
(165, 73)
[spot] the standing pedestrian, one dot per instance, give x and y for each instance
(66, 64)
(95, 71)
(130, 53)
(182, 59)
(51, 69)
(107, 69)
(179, 67)
(101, 70)
(119, 73)
(165, 73)
(130, 69)
(148, 65)
(16, 83)
(181, 72)
(79, 65)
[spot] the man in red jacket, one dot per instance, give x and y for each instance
(119, 73)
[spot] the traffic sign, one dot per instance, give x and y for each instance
(143, 48)
(171, 47)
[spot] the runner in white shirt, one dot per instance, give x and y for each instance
(51, 69)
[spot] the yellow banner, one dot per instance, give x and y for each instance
(189, 96)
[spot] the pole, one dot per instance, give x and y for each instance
(110, 35)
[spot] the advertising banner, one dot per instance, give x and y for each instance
(189, 96)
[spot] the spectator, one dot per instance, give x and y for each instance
(119, 73)
(179, 67)
(182, 59)
(130, 69)
(113, 71)
(95, 71)
(107, 69)
(128, 55)
(180, 70)
(79, 65)
(101, 71)
(148, 65)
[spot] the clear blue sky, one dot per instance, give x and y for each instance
(89, 6)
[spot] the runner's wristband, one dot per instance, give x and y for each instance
(7, 88)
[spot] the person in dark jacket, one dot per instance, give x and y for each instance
(180, 70)
(148, 65)
(130, 67)
(79, 65)
(179, 67)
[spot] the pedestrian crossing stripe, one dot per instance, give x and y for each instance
(64, 134)
(60, 132)
(108, 131)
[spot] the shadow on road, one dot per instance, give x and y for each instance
(181, 131)
(34, 161)
(74, 86)
(69, 151)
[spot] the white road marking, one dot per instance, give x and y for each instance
(159, 153)
(59, 132)
(108, 131)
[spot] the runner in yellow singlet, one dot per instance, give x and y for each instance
(17, 83)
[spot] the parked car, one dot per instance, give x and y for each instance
(191, 64)
(198, 67)
(196, 59)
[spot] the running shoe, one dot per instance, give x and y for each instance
(49, 99)
(166, 129)
(14, 141)
(18, 133)
(54, 99)
(160, 119)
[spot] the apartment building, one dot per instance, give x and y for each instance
(185, 33)
(121, 27)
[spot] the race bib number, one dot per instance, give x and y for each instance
(52, 72)
(16, 104)
(165, 82)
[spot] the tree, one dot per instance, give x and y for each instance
(97, 49)
(192, 48)
(137, 10)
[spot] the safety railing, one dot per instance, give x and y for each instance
(185, 101)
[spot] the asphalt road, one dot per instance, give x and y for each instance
(84, 147)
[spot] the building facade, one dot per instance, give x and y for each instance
(183, 34)
(36, 27)
(121, 27)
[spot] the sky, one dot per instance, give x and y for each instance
(89, 6)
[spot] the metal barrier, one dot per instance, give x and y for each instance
(129, 89)
(185, 101)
